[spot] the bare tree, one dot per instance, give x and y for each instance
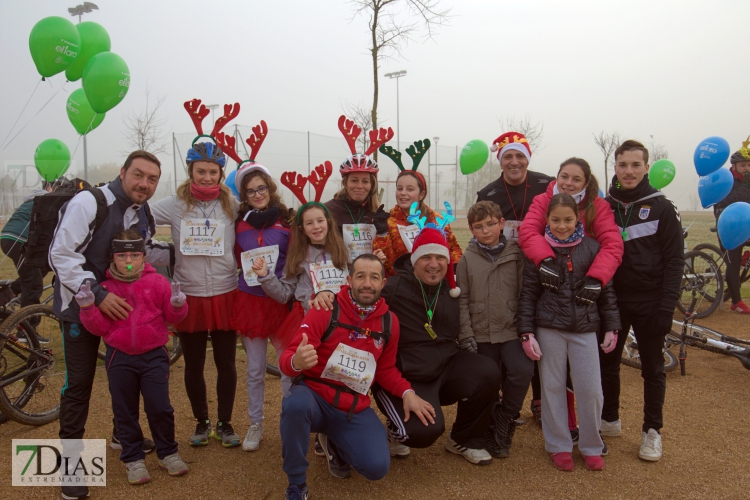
(695, 202)
(657, 151)
(608, 144)
(144, 130)
(392, 29)
(534, 131)
(363, 118)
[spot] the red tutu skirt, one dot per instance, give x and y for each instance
(289, 327)
(257, 317)
(207, 314)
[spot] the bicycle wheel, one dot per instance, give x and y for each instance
(33, 366)
(3, 314)
(272, 363)
(701, 278)
(718, 256)
(632, 358)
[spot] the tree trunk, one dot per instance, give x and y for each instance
(374, 29)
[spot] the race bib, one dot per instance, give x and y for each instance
(408, 235)
(352, 367)
(271, 254)
(325, 276)
(202, 237)
(358, 239)
(511, 229)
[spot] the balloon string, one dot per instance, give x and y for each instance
(32, 119)
(24, 109)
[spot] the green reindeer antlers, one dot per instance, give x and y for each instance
(415, 151)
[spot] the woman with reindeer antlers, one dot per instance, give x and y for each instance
(201, 216)
(410, 188)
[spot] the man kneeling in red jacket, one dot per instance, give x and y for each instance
(334, 376)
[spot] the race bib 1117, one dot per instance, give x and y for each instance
(202, 237)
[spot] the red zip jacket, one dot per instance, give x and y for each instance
(316, 323)
(145, 328)
(606, 232)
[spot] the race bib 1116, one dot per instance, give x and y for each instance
(358, 239)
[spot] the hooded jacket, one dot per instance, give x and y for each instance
(603, 228)
(145, 328)
(17, 227)
(515, 201)
(316, 323)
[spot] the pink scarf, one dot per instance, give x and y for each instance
(204, 193)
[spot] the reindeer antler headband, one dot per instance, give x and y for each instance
(318, 178)
(416, 151)
(361, 162)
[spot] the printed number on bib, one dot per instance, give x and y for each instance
(511, 229)
(352, 367)
(408, 235)
(202, 237)
(270, 254)
(327, 277)
(358, 239)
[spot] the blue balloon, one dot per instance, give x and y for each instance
(715, 187)
(229, 181)
(710, 155)
(734, 225)
(601, 193)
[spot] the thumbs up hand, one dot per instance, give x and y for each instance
(85, 297)
(178, 298)
(306, 356)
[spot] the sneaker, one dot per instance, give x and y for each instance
(520, 421)
(253, 437)
(574, 436)
(477, 457)
(650, 446)
(201, 434)
(148, 445)
(504, 428)
(294, 492)
(398, 450)
(174, 465)
(225, 433)
(318, 449)
(611, 429)
(137, 472)
(536, 410)
(491, 445)
(336, 465)
(594, 462)
(605, 450)
(740, 307)
(563, 461)
(75, 492)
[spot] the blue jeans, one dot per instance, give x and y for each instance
(361, 442)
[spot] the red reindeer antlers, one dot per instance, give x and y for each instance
(230, 113)
(256, 139)
(197, 112)
(318, 178)
(296, 183)
(378, 138)
(226, 142)
(351, 131)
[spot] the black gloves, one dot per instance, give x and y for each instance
(468, 344)
(549, 272)
(588, 291)
(380, 221)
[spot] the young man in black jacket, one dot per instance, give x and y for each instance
(647, 285)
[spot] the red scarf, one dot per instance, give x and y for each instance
(204, 193)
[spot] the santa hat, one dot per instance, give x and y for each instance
(431, 241)
(511, 141)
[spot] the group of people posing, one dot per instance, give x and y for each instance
(357, 300)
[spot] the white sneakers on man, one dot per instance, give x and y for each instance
(475, 456)
(397, 450)
(650, 446)
(611, 429)
(253, 437)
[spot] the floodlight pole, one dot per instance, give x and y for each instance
(437, 176)
(397, 75)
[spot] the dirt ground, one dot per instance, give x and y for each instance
(706, 432)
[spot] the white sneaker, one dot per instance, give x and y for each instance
(253, 437)
(611, 429)
(398, 450)
(477, 457)
(650, 446)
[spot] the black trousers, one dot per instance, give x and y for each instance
(80, 347)
(733, 261)
(30, 282)
(224, 345)
(469, 379)
(518, 370)
(639, 315)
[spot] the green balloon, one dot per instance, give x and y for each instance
(54, 43)
(94, 39)
(52, 159)
(80, 114)
(106, 80)
(661, 173)
(473, 156)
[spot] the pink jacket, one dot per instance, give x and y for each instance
(145, 328)
(536, 248)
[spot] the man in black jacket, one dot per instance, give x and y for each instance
(647, 285)
(426, 305)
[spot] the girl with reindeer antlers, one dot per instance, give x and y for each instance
(201, 216)
(410, 188)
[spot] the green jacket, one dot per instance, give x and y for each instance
(17, 227)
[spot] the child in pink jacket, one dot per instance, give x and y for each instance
(137, 361)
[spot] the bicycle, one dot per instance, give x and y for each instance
(701, 277)
(719, 257)
(631, 356)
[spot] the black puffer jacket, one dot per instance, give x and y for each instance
(540, 307)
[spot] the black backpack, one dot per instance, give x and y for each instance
(44, 218)
(385, 327)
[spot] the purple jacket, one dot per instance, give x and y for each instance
(145, 328)
(248, 238)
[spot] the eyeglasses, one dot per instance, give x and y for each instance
(250, 193)
(133, 256)
(488, 227)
